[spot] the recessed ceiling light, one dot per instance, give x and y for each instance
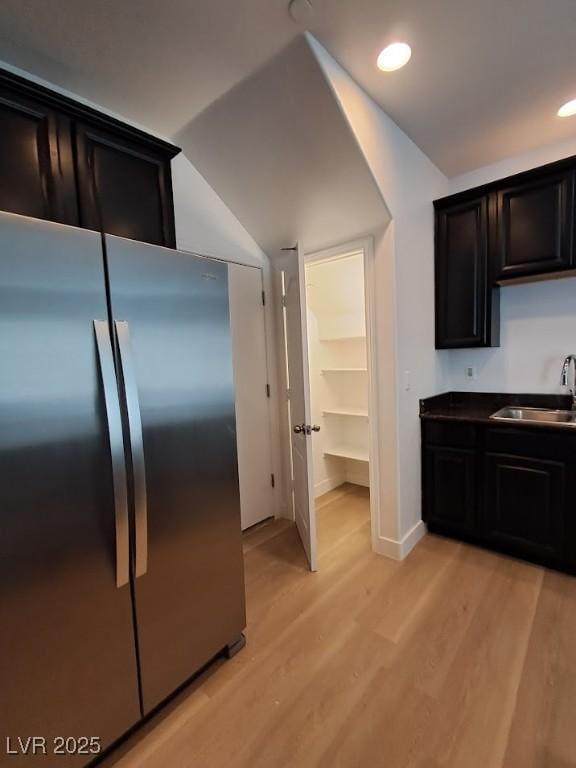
(568, 109)
(394, 56)
(301, 11)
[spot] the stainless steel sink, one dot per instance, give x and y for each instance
(536, 415)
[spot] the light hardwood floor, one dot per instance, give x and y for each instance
(454, 657)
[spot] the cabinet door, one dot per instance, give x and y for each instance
(450, 488)
(524, 504)
(464, 301)
(124, 189)
(535, 227)
(36, 172)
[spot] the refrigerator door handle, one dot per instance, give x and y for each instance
(136, 448)
(114, 420)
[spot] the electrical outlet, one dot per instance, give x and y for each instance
(470, 372)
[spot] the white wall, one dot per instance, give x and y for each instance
(203, 222)
(514, 164)
(538, 330)
(281, 157)
(409, 366)
(205, 225)
(538, 320)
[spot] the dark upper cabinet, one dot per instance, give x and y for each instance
(519, 228)
(65, 162)
(36, 170)
(450, 487)
(534, 232)
(466, 309)
(122, 188)
(524, 504)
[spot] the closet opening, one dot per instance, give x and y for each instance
(338, 359)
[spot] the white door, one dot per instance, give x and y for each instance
(300, 410)
(248, 329)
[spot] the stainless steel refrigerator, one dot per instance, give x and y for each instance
(121, 569)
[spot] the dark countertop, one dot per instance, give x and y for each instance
(479, 406)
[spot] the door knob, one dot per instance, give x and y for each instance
(306, 429)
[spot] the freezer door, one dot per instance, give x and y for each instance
(171, 316)
(67, 650)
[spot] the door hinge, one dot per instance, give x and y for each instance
(287, 394)
(272, 480)
(283, 301)
(263, 298)
(267, 390)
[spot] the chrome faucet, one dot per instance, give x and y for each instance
(565, 377)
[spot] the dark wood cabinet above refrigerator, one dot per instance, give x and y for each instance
(65, 162)
(517, 229)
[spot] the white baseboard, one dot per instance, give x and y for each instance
(327, 485)
(397, 550)
(357, 478)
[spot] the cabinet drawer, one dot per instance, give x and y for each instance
(455, 434)
(539, 443)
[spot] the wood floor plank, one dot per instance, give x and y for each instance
(453, 658)
(345, 511)
(394, 609)
(543, 733)
(474, 709)
(259, 534)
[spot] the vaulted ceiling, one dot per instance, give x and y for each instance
(280, 140)
(484, 82)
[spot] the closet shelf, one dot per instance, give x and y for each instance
(359, 412)
(344, 452)
(344, 370)
(357, 337)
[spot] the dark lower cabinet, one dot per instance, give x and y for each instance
(65, 162)
(507, 488)
(524, 504)
(535, 222)
(450, 487)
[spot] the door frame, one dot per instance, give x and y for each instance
(366, 246)
(273, 507)
(274, 374)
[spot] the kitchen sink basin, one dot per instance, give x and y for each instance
(536, 416)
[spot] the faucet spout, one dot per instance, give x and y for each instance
(569, 367)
